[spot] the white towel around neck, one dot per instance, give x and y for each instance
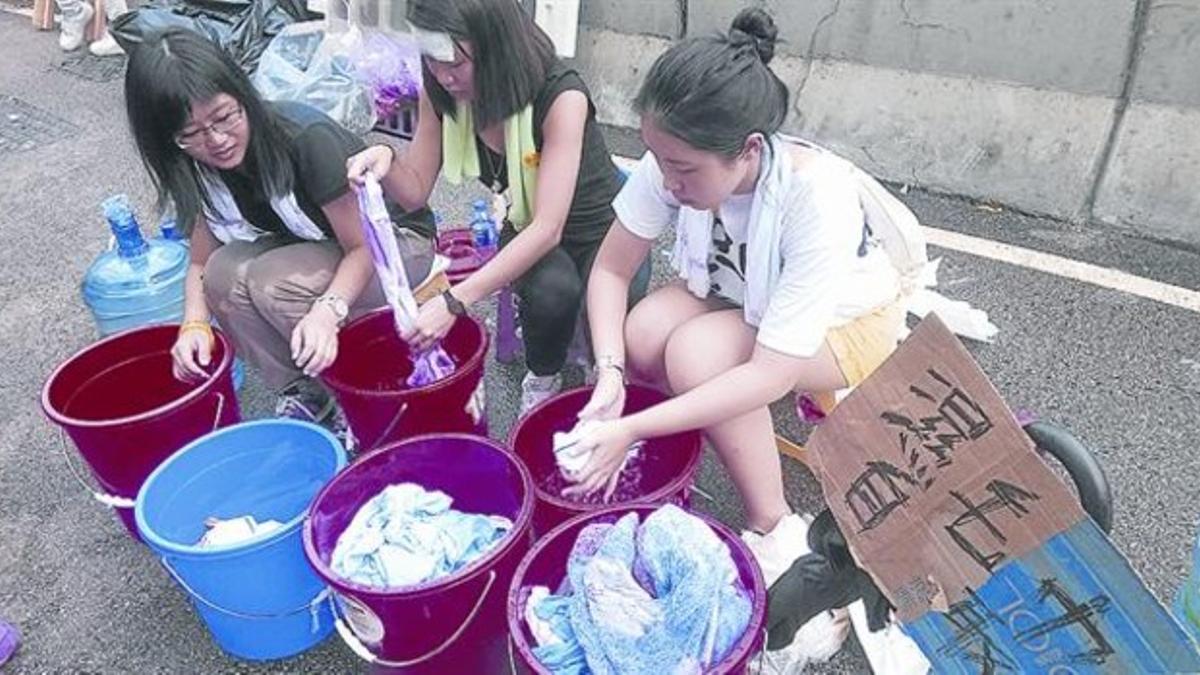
(228, 224)
(764, 261)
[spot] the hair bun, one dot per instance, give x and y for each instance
(755, 25)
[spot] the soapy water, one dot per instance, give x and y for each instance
(629, 485)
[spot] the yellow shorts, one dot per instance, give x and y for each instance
(861, 346)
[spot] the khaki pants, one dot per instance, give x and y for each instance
(258, 291)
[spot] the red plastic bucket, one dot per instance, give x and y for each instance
(126, 412)
(368, 380)
(668, 464)
(459, 246)
(546, 565)
(450, 625)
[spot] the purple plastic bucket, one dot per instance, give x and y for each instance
(546, 565)
(450, 625)
(668, 464)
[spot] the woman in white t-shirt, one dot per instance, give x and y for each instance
(782, 287)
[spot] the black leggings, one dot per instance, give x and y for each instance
(551, 295)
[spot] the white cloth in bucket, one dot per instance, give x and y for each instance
(407, 535)
(572, 452)
(226, 532)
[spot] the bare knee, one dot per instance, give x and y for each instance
(705, 347)
(645, 339)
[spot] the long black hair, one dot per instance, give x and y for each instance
(512, 55)
(713, 92)
(166, 75)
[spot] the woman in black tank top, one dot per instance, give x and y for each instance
(490, 72)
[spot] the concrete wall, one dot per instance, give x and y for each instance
(1081, 109)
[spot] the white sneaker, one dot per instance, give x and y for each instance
(823, 635)
(71, 37)
(890, 650)
(106, 46)
(538, 388)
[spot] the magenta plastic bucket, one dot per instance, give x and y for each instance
(458, 245)
(668, 464)
(368, 379)
(455, 624)
(546, 565)
(126, 413)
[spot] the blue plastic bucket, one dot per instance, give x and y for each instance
(259, 597)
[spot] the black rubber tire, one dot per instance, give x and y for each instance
(1095, 494)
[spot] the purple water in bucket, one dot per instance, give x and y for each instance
(629, 485)
(432, 364)
(664, 472)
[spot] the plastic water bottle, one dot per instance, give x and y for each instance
(168, 229)
(483, 227)
(136, 282)
(1187, 603)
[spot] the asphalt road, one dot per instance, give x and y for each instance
(1123, 373)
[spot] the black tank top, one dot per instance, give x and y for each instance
(599, 180)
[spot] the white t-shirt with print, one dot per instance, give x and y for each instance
(727, 253)
(825, 282)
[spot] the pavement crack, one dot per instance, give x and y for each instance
(811, 51)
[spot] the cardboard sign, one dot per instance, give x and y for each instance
(945, 502)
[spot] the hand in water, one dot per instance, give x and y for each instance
(609, 442)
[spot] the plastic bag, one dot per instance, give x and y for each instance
(307, 65)
(242, 28)
(390, 65)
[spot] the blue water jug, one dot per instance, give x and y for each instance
(1187, 603)
(136, 282)
(168, 229)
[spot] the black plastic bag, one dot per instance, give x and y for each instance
(242, 28)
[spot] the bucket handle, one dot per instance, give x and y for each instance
(388, 429)
(220, 410)
(110, 500)
(367, 655)
(310, 606)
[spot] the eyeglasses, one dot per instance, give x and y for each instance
(223, 125)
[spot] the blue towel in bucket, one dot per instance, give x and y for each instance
(407, 535)
(664, 597)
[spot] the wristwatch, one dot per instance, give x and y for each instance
(337, 305)
(454, 304)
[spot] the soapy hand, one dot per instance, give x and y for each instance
(608, 443)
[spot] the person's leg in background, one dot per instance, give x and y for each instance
(75, 17)
(106, 45)
(550, 295)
